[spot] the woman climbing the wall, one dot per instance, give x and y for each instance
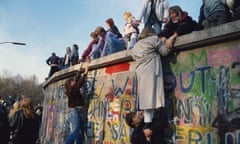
(75, 104)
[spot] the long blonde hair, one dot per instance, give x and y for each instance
(27, 107)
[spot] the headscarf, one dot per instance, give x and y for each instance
(147, 32)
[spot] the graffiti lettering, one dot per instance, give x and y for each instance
(192, 77)
(194, 110)
(195, 137)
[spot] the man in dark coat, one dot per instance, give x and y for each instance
(4, 125)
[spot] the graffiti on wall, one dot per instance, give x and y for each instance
(202, 99)
(108, 96)
(206, 87)
(108, 107)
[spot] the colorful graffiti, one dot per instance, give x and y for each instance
(107, 110)
(202, 101)
(205, 99)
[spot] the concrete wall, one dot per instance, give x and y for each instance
(201, 78)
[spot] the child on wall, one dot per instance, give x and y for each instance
(130, 30)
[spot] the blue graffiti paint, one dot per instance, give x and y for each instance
(208, 138)
(187, 89)
(202, 71)
(119, 90)
(195, 137)
(191, 77)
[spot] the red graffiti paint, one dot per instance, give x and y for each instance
(117, 68)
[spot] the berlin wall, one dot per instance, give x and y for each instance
(202, 86)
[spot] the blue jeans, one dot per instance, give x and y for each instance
(157, 26)
(133, 40)
(115, 45)
(74, 122)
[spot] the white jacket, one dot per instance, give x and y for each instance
(161, 10)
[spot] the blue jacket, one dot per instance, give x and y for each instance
(213, 6)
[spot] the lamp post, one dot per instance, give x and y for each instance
(15, 43)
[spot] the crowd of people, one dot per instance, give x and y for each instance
(168, 22)
(20, 122)
(162, 25)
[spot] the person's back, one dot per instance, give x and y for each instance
(216, 13)
(24, 124)
(4, 126)
(53, 61)
(26, 128)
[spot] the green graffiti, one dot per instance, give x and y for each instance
(199, 57)
(189, 61)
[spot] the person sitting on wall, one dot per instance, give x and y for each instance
(86, 53)
(179, 24)
(109, 43)
(112, 27)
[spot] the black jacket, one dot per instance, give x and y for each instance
(184, 26)
(24, 130)
(138, 136)
(4, 126)
(74, 95)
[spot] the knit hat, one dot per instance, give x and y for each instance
(147, 32)
(110, 22)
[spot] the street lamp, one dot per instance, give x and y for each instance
(15, 43)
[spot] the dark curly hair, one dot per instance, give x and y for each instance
(129, 119)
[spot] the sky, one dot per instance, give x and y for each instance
(48, 26)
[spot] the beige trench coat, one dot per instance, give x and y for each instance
(147, 53)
